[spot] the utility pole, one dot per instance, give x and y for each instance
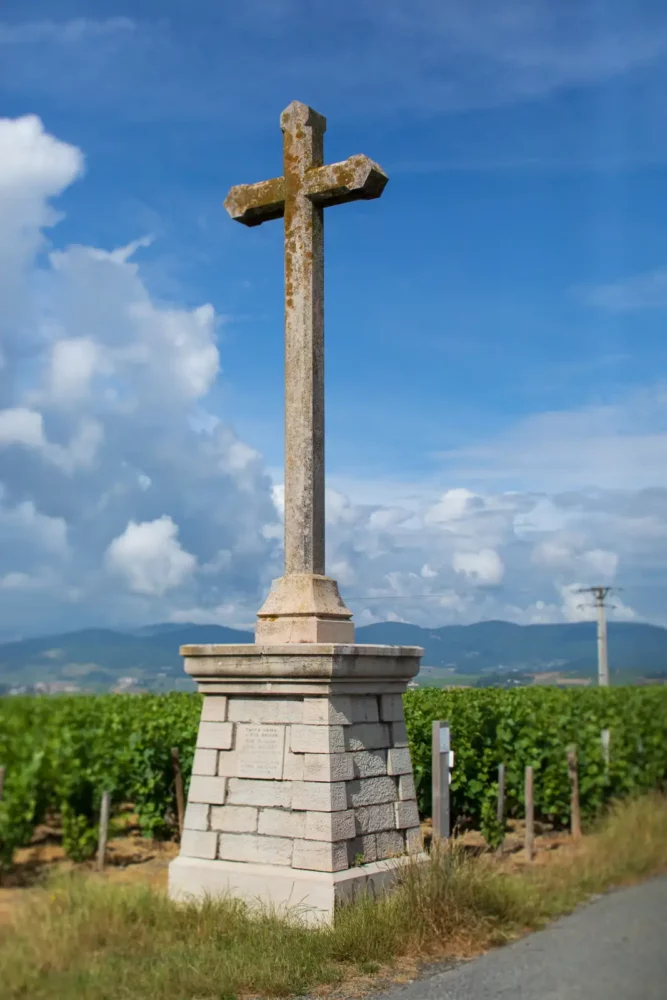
(600, 593)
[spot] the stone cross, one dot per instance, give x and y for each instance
(304, 605)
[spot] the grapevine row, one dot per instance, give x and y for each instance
(61, 753)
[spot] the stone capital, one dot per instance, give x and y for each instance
(304, 607)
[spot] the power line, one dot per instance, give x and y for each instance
(394, 597)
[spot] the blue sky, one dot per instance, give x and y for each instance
(494, 324)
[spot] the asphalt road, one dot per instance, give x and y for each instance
(615, 948)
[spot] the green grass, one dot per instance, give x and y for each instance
(87, 939)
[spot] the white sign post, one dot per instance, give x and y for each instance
(442, 761)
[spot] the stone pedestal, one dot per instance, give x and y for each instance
(302, 792)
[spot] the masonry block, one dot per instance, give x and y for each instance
(282, 823)
(398, 761)
(234, 819)
(367, 736)
(391, 708)
(205, 762)
(406, 787)
(319, 796)
(371, 791)
(251, 847)
(251, 792)
(399, 734)
(390, 844)
(199, 844)
(228, 764)
(369, 763)
(329, 711)
(317, 739)
(207, 790)
(327, 767)
(407, 814)
(319, 855)
(373, 819)
(215, 735)
(365, 709)
(330, 826)
(214, 708)
(263, 709)
(362, 850)
(196, 816)
(293, 766)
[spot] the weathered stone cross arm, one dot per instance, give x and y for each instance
(356, 179)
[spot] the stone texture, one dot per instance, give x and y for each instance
(367, 736)
(215, 735)
(327, 710)
(234, 819)
(214, 708)
(390, 844)
(398, 761)
(317, 739)
(196, 816)
(365, 709)
(369, 763)
(227, 764)
(391, 708)
(372, 819)
(282, 823)
(250, 792)
(320, 856)
(294, 611)
(199, 844)
(327, 767)
(399, 735)
(371, 791)
(362, 850)
(269, 710)
(205, 762)
(293, 767)
(330, 826)
(413, 840)
(210, 791)
(407, 814)
(251, 847)
(319, 796)
(302, 606)
(406, 787)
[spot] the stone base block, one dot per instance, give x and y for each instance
(311, 896)
(301, 789)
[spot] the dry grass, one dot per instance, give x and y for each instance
(84, 938)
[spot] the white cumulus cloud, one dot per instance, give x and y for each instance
(150, 557)
(484, 567)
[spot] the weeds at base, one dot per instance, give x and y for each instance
(91, 940)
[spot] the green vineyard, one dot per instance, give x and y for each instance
(61, 753)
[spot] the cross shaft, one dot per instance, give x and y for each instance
(306, 187)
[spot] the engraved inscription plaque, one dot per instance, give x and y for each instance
(260, 751)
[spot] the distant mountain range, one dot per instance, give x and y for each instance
(103, 659)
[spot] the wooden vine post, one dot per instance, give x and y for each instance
(178, 785)
(573, 774)
(530, 813)
(104, 829)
